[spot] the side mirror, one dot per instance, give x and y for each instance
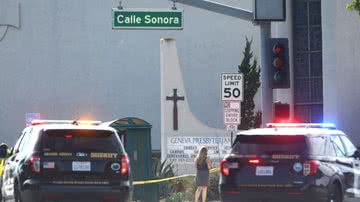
(3, 151)
(357, 154)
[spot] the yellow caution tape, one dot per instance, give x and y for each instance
(214, 170)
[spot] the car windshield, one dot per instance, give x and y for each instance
(269, 144)
(80, 141)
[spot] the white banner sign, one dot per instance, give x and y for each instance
(232, 85)
(183, 149)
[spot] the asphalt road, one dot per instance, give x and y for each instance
(353, 200)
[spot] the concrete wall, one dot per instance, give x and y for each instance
(341, 69)
(66, 62)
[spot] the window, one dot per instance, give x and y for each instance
(318, 146)
(330, 149)
(80, 141)
(338, 145)
(33, 137)
(349, 147)
(269, 144)
(25, 141)
(20, 142)
(17, 144)
(308, 89)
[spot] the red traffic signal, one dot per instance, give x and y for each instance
(280, 63)
(278, 49)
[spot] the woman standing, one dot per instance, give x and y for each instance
(202, 165)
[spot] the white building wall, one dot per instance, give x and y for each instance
(66, 62)
(341, 66)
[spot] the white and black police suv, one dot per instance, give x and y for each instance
(291, 162)
(67, 161)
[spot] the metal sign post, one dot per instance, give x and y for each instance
(266, 89)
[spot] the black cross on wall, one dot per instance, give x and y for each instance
(175, 98)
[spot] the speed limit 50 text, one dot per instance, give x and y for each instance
(232, 86)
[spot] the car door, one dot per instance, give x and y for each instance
(350, 150)
(8, 164)
(9, 175)
(325, 153)
(345, 163)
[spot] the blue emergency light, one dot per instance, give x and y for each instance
(301, 125)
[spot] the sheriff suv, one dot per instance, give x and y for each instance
(291, 162)
(67, 161)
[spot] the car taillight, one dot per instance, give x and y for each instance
(224, 168)
(125, 167)
(34, 163)
(254, 161)
(311, 167)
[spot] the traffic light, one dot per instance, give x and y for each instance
(280, 68)
(281, 112)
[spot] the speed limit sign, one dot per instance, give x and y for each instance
(232, 85)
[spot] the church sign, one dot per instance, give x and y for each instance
(184, 149)
(147, 19)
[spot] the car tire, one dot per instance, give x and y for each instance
(335, 194)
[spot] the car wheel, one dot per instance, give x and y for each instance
(335, 194)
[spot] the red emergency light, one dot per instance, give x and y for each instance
(73, 122)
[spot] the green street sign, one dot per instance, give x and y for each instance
(147, 19)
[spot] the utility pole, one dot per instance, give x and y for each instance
(266, 89)
(265, 35)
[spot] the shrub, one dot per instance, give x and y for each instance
(213, 188)
(182, 189)
(163, 170)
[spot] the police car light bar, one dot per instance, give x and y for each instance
(301, 125)
(74, 122)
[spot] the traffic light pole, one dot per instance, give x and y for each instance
(265, 35)
(219, 8)
(266, 88)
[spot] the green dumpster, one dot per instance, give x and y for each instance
(135, 133)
